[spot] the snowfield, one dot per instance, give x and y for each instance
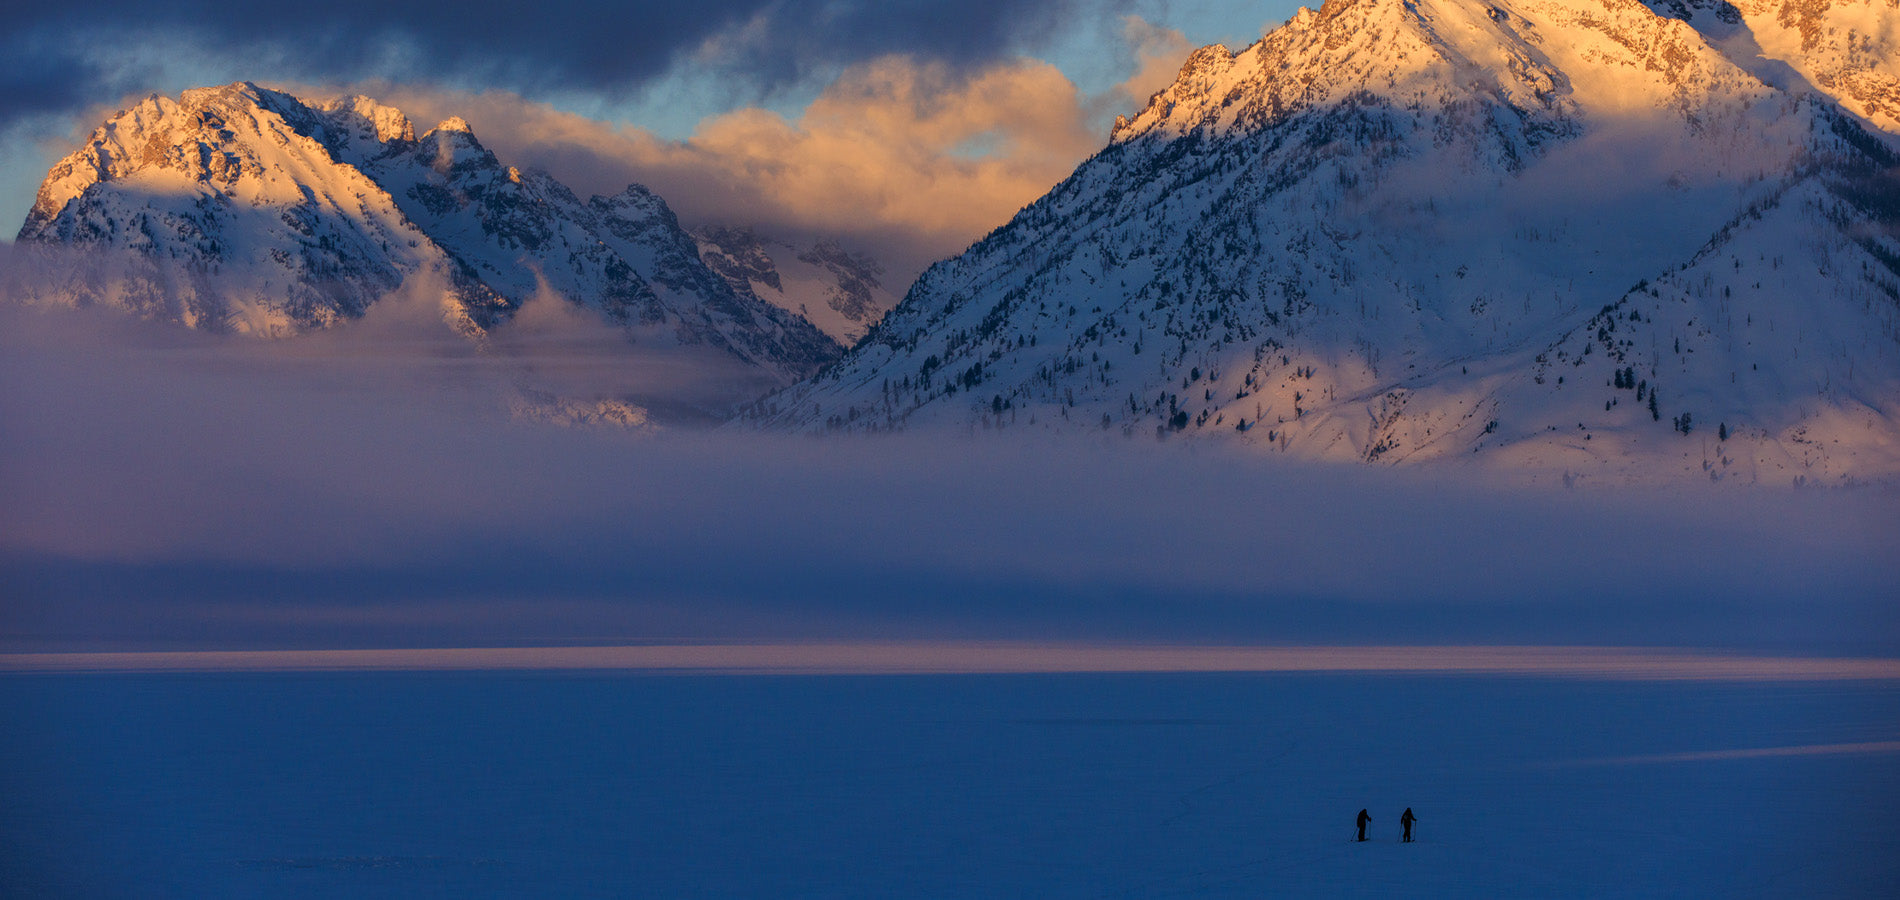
(1486, 408)
(613, 785)
(176, 491)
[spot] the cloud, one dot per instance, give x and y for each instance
(924, 129)
(667, 65)
(65, 56)
(167, 488)
(907, 158)
(550, 353)
(893, 144)
(1159, 53)
(37, 78)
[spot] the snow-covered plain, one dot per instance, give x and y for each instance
(168, 490)
(617, 785)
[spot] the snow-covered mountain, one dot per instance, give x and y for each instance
(839, 291)
(1586, 236)
(247, 209)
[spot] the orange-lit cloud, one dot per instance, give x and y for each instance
(1159, 53)
(913, 159)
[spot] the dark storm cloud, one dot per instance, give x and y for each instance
(37, 78)
(57, 57)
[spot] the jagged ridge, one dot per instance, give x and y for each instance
(257, 212)
(839, 291)
(1389, 230)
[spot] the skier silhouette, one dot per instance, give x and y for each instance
(1406, 821)
(1364, 817)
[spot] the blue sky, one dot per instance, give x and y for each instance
(662, 69)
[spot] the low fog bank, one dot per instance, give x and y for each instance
(167, 490)
(551, 358)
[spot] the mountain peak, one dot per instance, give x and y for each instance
(1409, 229)
(1213, 57)
(386, 124)
(199, 96)
(635, 201)
(1456, 56)
(246, 209)
(241, 95)
(452, 144)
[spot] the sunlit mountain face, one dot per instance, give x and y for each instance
(817, 448)
(245, 209)
(1562, 235)
(1566, 237)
